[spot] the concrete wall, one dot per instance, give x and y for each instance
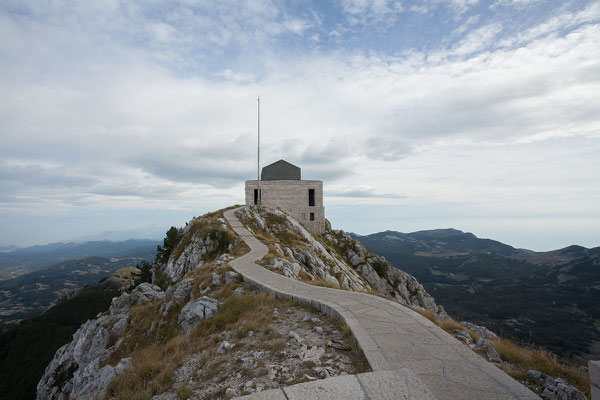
(292, 196)
(594, 367)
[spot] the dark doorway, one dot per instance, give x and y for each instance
(256, 196)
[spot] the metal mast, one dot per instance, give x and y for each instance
(258, 158)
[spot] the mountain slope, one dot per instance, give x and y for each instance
(27, 348)
(151, 328)
(545, 298)
(30, 294)
(21, 261)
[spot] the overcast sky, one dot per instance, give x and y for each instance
(478, 115)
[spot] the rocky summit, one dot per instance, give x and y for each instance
(190, 327)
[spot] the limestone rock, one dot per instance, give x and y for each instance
(533, 374)
(225, 345)
(555, 388)
(480, 330)
(464, 336)
(312, 353)
(195, 311)
(490, 349)
(216, 279)
(238, 291)
(93, 385)
(144, 293)
(231, 276)
(179, 295)
(354, 269)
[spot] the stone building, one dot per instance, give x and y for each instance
(281, 187)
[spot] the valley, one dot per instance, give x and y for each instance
(547, 299)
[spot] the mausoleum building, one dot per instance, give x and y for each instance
(281, 187)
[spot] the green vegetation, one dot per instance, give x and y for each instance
(169, 243)
(26, 349)
(145, 273)
(381, 268)
(161, 279)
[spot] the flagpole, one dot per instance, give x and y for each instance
(258, 157)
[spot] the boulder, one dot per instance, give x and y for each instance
(182, 291)
(94, 384)
(179, 295)
(555, 388)
(490, 349)
(195, 311)
(480, 330)
(312, 353)
(464, 336)
(533, 374)
(231, 276)
(216, 279)
(558, 389)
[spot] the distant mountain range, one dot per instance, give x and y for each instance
(551, 299)
(20, 261)
(34, 277)
(30, 294)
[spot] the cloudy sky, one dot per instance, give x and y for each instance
(478, 115)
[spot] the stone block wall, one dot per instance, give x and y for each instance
(292, 197)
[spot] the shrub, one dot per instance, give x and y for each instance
(381, 268)
(169, 243)
(161, 279)
(145, 273)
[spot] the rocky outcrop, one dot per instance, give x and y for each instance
(179, 295)
(200, 241)
(480, 330)
(75, 371)
(555, 388)
(78, 370)
(195, 311)
(336, 259)
(490, 349)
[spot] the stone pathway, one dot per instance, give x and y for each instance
(393, 337)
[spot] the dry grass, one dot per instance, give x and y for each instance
(207, 226)
(521, 359)
(323, 283)
(154, 363)
(524, 359)
(356, 354)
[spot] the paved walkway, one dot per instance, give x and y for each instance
(392, 336)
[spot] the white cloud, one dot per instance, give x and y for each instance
(478, 39)
(368, 11)
(457, 6)
(567, 20)
(105, 125)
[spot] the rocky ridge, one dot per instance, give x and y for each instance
(75, 371)
(333, 259)
(198, 287)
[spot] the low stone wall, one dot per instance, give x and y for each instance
(594, 367)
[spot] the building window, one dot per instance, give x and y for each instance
(312, 216)
(256, 196)
(311, 197)
(304, 216)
